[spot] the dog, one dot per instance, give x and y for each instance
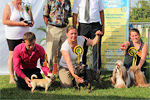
(89, 75)
(138, 77)
(45, 83)
(120, 77)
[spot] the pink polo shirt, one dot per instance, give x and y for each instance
(22, 60)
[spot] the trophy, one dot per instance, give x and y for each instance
(27, 12)
(78, 50)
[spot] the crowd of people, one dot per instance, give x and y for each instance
(24, 52)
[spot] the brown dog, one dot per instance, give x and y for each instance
(138, 77)
(45, 83)
(120, 77)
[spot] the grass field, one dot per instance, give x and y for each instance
(106, 91)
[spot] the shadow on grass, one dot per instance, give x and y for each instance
(15, 93)
(57, 92)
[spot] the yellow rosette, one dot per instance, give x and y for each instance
(133, 52)
(78, 50)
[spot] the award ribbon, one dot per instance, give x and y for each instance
(78, 50)
(133, 52)
(46, 61)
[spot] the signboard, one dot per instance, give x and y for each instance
(116, 31)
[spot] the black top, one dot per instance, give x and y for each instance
(129, 56)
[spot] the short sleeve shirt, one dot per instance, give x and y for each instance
(65, 46)
(57, 12)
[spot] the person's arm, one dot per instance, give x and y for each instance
(44, 66)
(95, 40)
(68, 61)
(16, 64)
(102, 20)
(75, 16)
(44, 62)
(45, 20)
(143, 56)
(46, 12)
(31, 19)
(124, 46)
(6, 18)
(75, 10)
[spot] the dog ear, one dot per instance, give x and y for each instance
(119, 62)
(117, 66)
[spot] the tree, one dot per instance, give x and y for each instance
(141, 12)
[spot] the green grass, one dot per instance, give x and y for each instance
(9, 91)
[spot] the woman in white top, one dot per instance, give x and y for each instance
(15, 27)
(69, 59)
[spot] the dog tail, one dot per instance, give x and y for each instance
(33, 76)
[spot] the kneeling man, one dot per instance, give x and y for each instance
(25, 60)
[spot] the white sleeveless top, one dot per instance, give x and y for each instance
(65, 46)
(15, 32)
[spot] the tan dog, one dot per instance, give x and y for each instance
(120, 78)
(138, 77)
(45, 83)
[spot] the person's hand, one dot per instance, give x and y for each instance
(138, 67)
(98, 32)
(123, 47)
(78, 79)
(30, 25)
(22, 23)
(27, 80)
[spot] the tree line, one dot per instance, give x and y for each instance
(141, 12)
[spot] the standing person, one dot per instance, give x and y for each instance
(69, 59)
(90, 15)
(15, 27)
(56, 13)
(25, 60)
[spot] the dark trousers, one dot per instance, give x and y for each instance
(89, 30)
(28, 72)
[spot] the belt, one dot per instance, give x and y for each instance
(62, 26)
(60, 67)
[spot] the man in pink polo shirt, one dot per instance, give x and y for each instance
(25, 60)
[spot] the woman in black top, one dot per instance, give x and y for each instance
(135, 50)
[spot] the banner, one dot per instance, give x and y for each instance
(116, 31)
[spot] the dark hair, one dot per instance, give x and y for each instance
(69, 28)
(30, 36)
(135, 30)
